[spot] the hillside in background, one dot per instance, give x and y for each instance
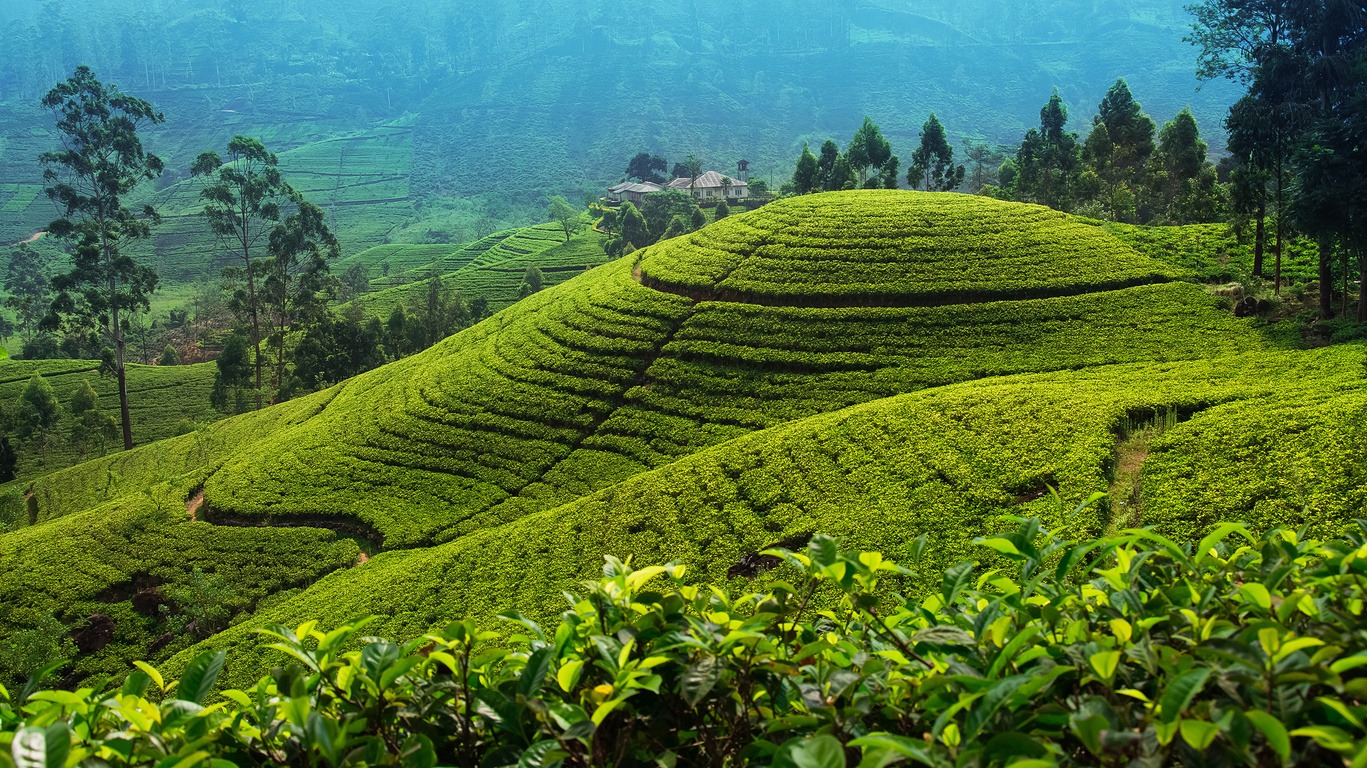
(446, 122)
(875, 365)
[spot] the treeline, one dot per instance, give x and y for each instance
(1127, 169)
(1298, 137)
(1297, 146)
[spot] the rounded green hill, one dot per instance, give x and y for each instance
(883, 247)
(617, 379)
(608, 375)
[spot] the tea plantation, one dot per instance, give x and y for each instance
(869, 365)
(492, 268)
(946, 463)
(164, 401)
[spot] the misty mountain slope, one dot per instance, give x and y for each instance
(511, 101)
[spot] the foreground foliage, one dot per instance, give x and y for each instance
(1127, 650)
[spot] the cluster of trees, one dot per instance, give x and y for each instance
(650, 168)
(661, 215)
(283, 334)
(868, 163)
(338, 345)
(1126, 169)
(1298, 138)
(40, 422)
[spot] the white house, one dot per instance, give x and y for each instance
(631, 191)
(712, 186)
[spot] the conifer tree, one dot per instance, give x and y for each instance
(1188, 179)
(806, 178)
(1049, 159)
(1116, 155)
(932, 164)
(826, 167)
(38, 411)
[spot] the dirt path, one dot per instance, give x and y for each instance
(193, 504)
(33, 238)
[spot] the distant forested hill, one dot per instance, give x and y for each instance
(509, 100)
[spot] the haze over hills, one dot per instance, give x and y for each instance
(465, 108)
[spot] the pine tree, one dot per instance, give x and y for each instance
(38, 411)
(1190, 190)
(1049, 159)
(806, 178)
(932, 164)
(1117, 154)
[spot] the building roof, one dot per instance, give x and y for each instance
(709, 180)
(642, 187)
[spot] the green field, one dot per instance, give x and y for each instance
(947, 463)
(162, 401)
(492, 268)
(714, 394)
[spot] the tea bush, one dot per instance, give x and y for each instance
(899, 249)
(492, 269)
(944, 463)
(1241, 650)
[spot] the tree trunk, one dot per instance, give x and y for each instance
(1343, 259)
(1326, 278)
(1259, 238)
(1277, 266)
(256, 323)
(125, 420)
(1362, 283)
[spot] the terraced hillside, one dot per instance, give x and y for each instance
(493, 268)
(719, 392)
(163, 400)
(947, 463)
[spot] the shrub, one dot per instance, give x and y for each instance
(1127, 650)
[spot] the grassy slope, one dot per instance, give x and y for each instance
(493, 268)
(112, 527)
(945, 463)
(162, 402)
(879, 246)
(602, 379)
